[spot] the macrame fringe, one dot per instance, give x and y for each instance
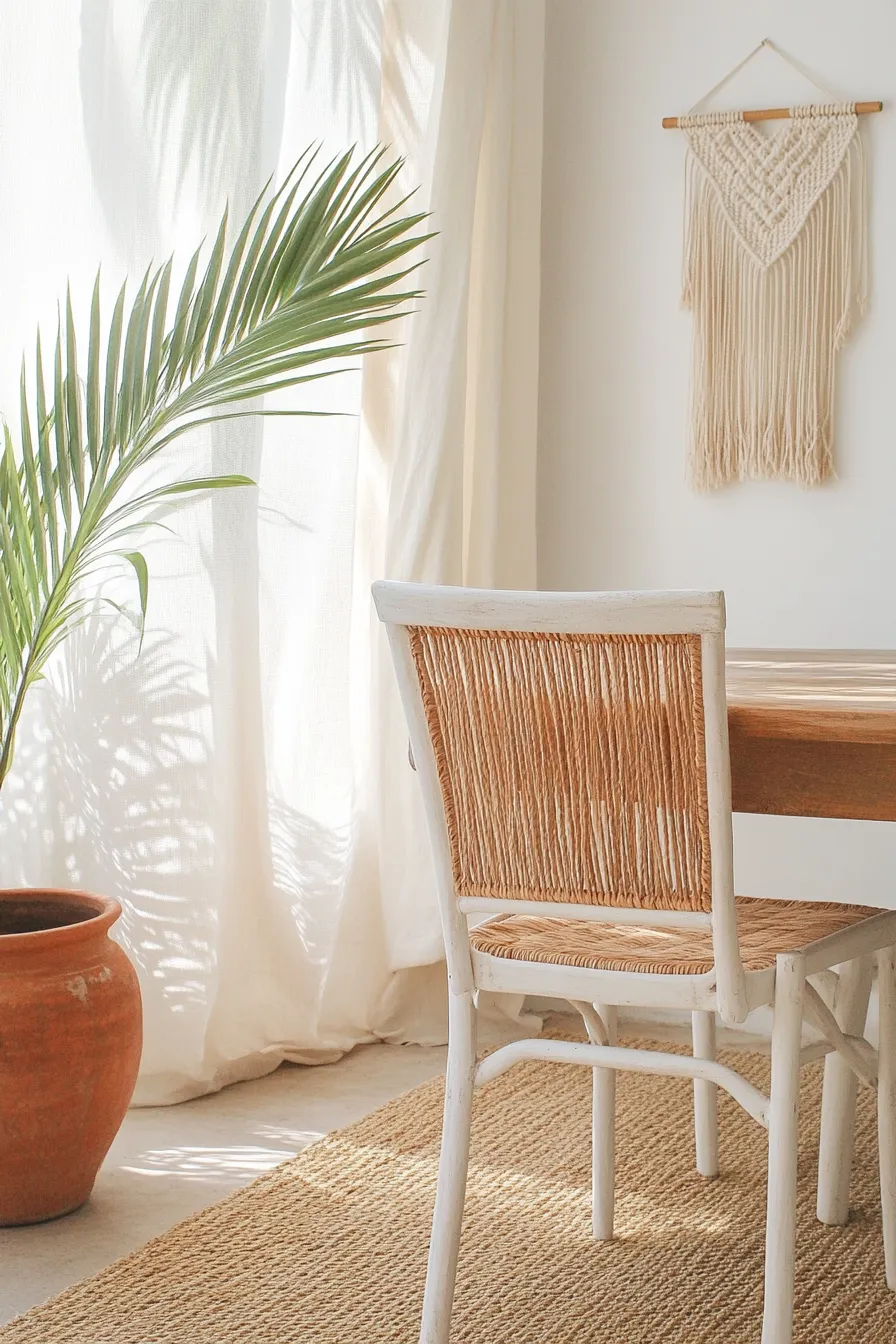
(765, 338)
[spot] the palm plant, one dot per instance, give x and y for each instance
(314, 267)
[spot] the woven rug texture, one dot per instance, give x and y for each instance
(330, 1248)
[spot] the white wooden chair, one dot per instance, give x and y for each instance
(573, 755)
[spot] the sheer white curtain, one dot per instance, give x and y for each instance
(242, 786)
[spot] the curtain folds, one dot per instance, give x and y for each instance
(242, 786)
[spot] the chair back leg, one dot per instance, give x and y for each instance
(603, 1137)
(706, 1096)
(780, 1230)
(838, 1102)
(886, 1104)
(454, 1157)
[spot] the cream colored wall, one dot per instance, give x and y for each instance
(811, 568)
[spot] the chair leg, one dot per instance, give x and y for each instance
(780, 1231)
(444, 1243)
(603, 1138)
(886, 1104)
(838, 1103)
(706, 1095)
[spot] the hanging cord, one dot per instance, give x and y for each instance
(766, 42)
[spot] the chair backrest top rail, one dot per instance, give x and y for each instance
(687, 612)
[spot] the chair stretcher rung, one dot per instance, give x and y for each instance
(627, 1060)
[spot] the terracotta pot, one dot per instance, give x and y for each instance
(71, 1031)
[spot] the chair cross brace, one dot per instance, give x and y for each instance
(856, 1051)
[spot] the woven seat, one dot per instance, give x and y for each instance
(765, 928)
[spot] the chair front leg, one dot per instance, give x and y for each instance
(838, 1103)
(603, 1137)
(706, 1096)
(886, 1103)
(444, 1244)
(780, 1230)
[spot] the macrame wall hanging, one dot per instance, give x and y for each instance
(775, 273)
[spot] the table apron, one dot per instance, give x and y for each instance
(787, 776)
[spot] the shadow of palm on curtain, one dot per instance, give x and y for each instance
(242, 785)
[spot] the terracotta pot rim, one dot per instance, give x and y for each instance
(107, 910)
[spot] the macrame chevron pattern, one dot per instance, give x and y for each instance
(767, 184)
(774, 272)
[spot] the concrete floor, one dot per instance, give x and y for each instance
(171, 1161)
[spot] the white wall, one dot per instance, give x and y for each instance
(800, 568)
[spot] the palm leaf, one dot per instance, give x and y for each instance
(48, 480)
(316, 267)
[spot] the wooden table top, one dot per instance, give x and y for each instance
(845, 695)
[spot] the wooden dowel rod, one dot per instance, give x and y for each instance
(776, 114)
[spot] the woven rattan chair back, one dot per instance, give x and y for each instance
(572, 766)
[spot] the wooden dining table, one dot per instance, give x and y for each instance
(813, 732)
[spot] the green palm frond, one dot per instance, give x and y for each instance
(315, 267)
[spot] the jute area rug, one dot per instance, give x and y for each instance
(330, 1248)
